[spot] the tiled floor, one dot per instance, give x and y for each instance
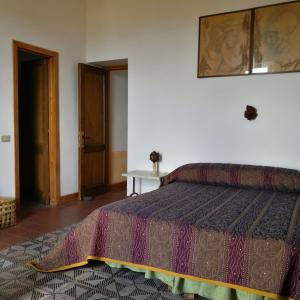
(43, 220)
(93, 281)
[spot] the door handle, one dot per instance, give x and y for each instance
(81, 139)
(85, 137)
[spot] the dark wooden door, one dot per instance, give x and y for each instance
(93, 130)
(34, 130)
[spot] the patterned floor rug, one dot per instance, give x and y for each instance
(96, 281)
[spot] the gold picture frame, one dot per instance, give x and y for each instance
(224, 44)
(276, 41)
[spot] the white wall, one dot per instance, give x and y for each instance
(170, 110)
(119, 110)
(57, 25)
(185, 118)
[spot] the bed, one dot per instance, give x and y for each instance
(231, 229)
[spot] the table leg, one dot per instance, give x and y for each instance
(133, 189)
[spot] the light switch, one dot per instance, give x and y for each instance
(5, 138)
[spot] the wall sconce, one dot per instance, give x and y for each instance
(250, 113)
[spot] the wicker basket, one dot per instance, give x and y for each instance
(7, 212)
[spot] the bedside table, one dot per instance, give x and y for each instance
(142, 175)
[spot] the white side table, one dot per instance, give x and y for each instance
(143, 175)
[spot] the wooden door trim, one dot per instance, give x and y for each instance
(107, 126)
(54, 157)
(116, 68)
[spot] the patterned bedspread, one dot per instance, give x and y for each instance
(244, 238)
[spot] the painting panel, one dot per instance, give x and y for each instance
(277, 39)
(224, 44)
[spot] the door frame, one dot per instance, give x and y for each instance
(54, 158)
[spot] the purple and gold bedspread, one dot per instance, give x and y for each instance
(202, 224)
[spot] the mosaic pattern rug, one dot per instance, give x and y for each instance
(95, 281)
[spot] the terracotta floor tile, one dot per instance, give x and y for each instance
(46, 219)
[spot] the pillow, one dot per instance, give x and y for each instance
(259, 177)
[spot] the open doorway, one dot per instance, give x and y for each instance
(118, 110)
(36, 126)
(103, 122)
(33, 87)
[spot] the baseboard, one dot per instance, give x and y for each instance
(119, 186)
(115, 187)
(69, 198)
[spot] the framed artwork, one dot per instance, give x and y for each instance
(276, 41)
(224, 44)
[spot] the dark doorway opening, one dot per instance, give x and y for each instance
(33, 106)
(40, 74)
